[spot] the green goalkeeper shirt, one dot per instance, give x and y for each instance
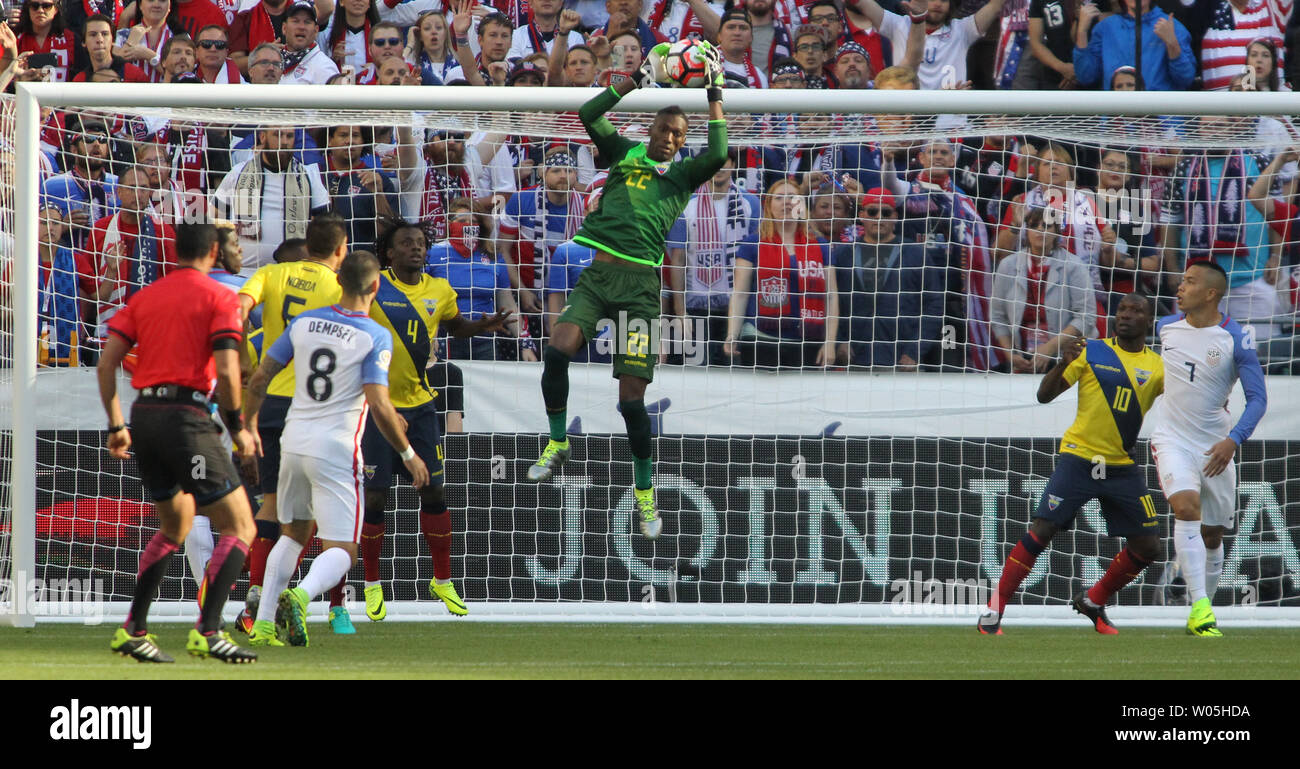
(641, 198)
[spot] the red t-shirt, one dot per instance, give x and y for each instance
(197, 14)
(98, 259)
(175, 321)
(1034, 322)
(63, 47)
(1283, 215)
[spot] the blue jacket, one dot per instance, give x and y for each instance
(1110, 46)
(902, 314)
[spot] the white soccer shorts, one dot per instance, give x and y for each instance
(328, 492)
(1183, 469)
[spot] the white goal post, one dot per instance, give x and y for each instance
(315, 105)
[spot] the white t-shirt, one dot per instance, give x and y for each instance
(1201, 367)
(521, 44)
(742, 72)
(944, 61)
(316, 68)
(498, 175)
(270, 223)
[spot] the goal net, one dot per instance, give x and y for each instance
(856, 315)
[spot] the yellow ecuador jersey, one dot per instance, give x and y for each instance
(285, 290)
(412, 314)
(1116, 390)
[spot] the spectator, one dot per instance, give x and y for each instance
(481, 282)
(810, 52)
(349, 38)
(58, 302)
(994, 169)
(1049, 61)
(495, 32)
(266, 65)
(858, 29)
(624, 57)
(1135, 265)
(771, 37)
(579, 67)
(539, 34)
(270, 196)
(77, 13)
(947, 40)
(143, 43)
(214, 64)
(797, 311)
(1124, 79)
(263, 22)
(735, 35)
(98, 35)
(385, 42)
(527, 74)
(43, 32)
(429, 48)
(685, 19)
(891, 292)
(1042, 296)
(362, 193)
(1168, 63)
(853, 67)
(448, 385)
(1262, 58)
(536, 221)
(1211, 220)
(1012, 41)
(1269, 130)
(446, 178)
(166, 195)
(129, 249)
(178, 58)
(194, 15)
(834, 215)
(304, 61)
(85, 193)
(1234, 25)
(702, 248)
(626, 16)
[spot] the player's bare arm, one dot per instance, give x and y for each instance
(1054, 383)
(119, 436)
(461, 328)
(394, 431)
(228, 396)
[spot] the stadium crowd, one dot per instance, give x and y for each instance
(961, 253)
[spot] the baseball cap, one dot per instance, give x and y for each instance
(302, 5)
(878, 196)
(524, 68)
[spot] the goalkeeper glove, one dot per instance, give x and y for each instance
(653, 69)
(713, 63)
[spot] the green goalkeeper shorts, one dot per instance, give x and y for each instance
(626, 296)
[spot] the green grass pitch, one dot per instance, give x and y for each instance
(411, 650)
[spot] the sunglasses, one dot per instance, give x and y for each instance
(878, 213)
(384, 42)
(43, 6)
(95, 138)
(219, 45)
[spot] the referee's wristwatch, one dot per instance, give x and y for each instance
(116, 428)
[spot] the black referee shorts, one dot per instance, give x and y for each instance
(178, 448)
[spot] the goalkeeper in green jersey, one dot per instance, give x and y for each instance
(623, 238)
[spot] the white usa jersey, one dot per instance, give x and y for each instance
(1201, 367)
(338, 352)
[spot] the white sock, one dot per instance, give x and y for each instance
(327, 569)
(1213, 569)
(1189, 548)
(199, 547)
(280, 563)
(372, 584)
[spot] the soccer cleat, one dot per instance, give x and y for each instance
(263, 634)
(553, 457)
(1095, 613)
(217, 646)
(989, 623)
(376, 609)
(1201, 621)
(244, 622)
(291, 616)
(144, 648)
(341, 621)
(648, 514)
(447, 592)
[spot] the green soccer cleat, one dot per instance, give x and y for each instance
(553, 458)
(217, 646)
(263, 634)
(1201, 621)
(447, 593)
(144, 648)
(648, 514)
(341, 621)
(291, 616)
(376, 610)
